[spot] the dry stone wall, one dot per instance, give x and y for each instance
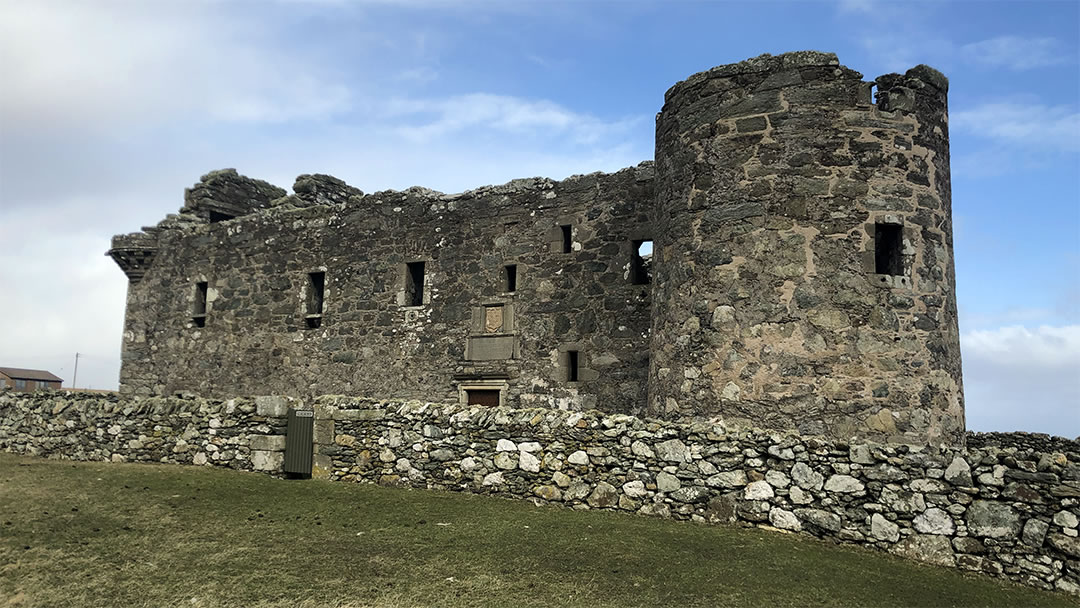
(1002, 509)
(245, 434)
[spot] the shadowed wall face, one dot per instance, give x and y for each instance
(396, 294)
(804, 275)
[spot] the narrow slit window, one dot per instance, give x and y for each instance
(414, 283)
(572, 366)
(316, 292)
(198, 309)
(641, 263)
(511, 277)
(217, 216)
(888, 249)
(567, 238)
(867, 93)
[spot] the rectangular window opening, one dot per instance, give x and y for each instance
(485, 397)
(414, 284)
(572, 366)
(316, 292)
(888, 249)
(217, 216)
(198, 310)
(567, 238)
(511, 277)
(641, 262)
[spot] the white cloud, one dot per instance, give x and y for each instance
(1016, 53)
(70, 297)
(1026, 124)
(1044, 346)
(71, 64)
(1025, 378)
(430, 119)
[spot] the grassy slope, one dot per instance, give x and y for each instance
(94, 534)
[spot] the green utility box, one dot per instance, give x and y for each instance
(299, 443)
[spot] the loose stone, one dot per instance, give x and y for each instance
(785, 520)
(843, 484)
(883, 529)
(666, 482)
(603, 495)
(934, 521)
(579, 458)
(759, 490)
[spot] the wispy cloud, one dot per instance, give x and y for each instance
(1016, 53)
(1020, 377)
(1025, 124)
(899, 51)
(1009, 316)
(855, 6)
(420, 75)
(428, 119)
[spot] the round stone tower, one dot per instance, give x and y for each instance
(803, 270)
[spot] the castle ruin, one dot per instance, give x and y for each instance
(801, 275)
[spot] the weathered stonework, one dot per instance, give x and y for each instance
(767, 308)
(370, 341)
(998, 509)
(773, 302)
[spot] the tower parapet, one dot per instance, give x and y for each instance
(134, 253)
(803, 273)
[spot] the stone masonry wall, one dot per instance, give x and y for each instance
(803, 277)
(245, 434)
(255, 336)
(1010, 512)
(773, 178)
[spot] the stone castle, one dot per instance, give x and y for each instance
(800, 277)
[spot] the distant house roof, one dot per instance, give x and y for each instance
(29, 374)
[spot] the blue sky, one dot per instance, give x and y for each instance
(108, 109)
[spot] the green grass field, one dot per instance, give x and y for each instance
(97, 534)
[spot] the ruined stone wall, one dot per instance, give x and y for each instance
(776, 177)
(1010, 512)
(370, 339)
(803, 278)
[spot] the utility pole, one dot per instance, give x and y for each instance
(75, 375)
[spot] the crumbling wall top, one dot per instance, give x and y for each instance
(320, 189)
(919, 78)
(225, 194)
(759, 64)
